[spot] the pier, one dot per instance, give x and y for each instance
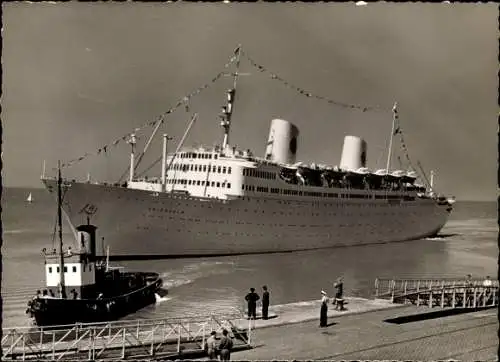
(443, 293)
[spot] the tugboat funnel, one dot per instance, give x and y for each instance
(87, 239)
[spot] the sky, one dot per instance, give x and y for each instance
(77, 76)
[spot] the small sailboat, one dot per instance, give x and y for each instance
(30, 198)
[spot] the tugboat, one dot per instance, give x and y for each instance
(83, 288)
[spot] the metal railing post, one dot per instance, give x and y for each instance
(123, 342)
(475, 297)
(418, 293)
(393, 287)
(453, 300)
(41, 339)
(53, 345)
(249, 332)
(24, 346)
(163, 331)
(179, 339)
(203, 335)
(93, 334)
(152, 351)
(405, 291)
(376, 288)
(430, 297)
(90, 345)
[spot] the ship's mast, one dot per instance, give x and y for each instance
(132, 142)
(59, 222)
(394, 118)
(181, 142)
(227, 111)
(431, 188)
(164, 161)
(43, 170)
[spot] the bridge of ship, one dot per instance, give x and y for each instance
(443, 293)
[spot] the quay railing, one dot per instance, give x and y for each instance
(144, 338)
(454, 293)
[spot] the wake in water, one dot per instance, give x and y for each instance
(159, 299)
(442, 236)
(194, 271)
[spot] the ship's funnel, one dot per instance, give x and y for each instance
(282, 142)
(353, 153)
(86, 239)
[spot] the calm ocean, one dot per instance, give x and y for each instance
(469, 245)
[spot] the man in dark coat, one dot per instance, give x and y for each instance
(252, 299)
(225, 346)
(323, 315)
(265, 302)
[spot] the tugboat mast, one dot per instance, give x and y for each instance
(59, 222)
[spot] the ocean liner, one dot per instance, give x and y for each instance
(223, 200)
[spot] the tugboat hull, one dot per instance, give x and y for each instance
(57, 312)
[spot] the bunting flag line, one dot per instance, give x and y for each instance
(301, 91)
(183, 101)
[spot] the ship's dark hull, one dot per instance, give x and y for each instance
(57, 312)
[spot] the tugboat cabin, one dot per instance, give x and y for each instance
(79, 268)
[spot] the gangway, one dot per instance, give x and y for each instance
(167, 338)
(443, 293)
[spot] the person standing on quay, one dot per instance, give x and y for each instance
(225, 346)
(323, 315)
(265, 302)
(339, 286)
(252, 299)
(211, 346)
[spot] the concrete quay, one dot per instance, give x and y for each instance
(363, 334)
(304, 311)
